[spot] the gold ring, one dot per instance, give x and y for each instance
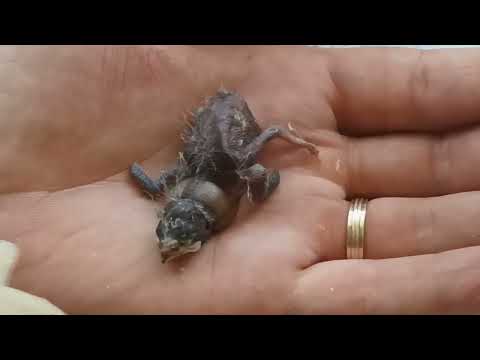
(356, 229)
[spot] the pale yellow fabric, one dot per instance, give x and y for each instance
(16, 302)
(13, 301)
(8, 258)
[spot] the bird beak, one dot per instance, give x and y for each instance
(168, 254)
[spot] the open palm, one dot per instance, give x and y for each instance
(79, 116)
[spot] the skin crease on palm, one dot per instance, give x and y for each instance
(75, 117)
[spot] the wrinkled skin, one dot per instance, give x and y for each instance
(74, 119)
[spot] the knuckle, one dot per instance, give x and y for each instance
(424, 224)
(464, 278)
(420, 80)
(441, 163)
(363, 301)
(464, 293)
(458, 287)
(470, 294)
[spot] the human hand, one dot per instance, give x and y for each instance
(75, 118)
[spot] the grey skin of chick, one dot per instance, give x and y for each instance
(217, 167)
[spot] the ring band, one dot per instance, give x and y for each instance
(356, 229)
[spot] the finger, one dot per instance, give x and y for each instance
(447, 283)
(412, 165)
(382, 90)
(397, 227)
